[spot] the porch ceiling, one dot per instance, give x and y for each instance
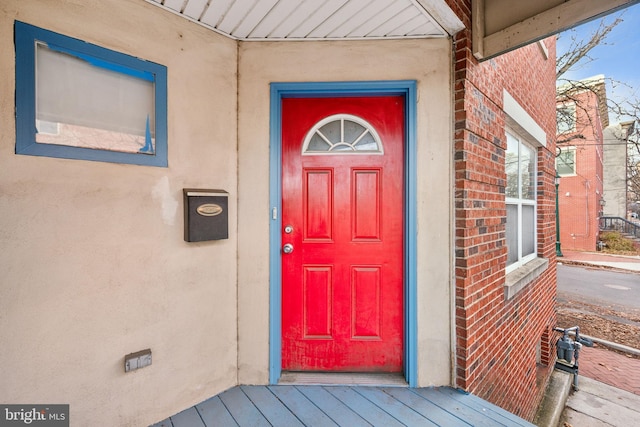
(319, 19)
(498, 25)
(502, 25)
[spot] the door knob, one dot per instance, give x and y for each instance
(287, 248)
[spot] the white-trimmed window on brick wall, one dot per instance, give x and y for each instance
(566, 161)
(520, 193)
(566, 117)
(525, 138)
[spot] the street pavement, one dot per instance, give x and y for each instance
(609, 382)
(611, 288)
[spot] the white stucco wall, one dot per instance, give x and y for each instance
(93, 261)
(427, 62)
(93, 265)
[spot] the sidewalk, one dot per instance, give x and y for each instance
(597, 404)
(623, 262)
(609, 382)
(598, 363)
(609, 367)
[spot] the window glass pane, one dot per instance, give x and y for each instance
(76, 100)
(527, 172)
(566, 118)
(367, 143)
(342, 133)
(511, 167)
(318, 144)
(520, 168)
(352, 131)
(528, 230)
(512, 234)
(331, 131)
(566, 162)
(82, 101)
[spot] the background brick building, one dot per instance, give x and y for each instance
(582, 118)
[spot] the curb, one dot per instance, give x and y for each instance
(612, 345)
(598, 264)
(605, 254)
(554, 399)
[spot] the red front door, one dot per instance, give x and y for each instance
(342, 217)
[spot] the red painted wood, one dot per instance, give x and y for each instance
(366, 204)
(366, 304)
(317, 283)
(318, 204)
(342, 286)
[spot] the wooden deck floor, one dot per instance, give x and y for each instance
(352, 406)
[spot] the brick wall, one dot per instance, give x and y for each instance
(579, 196)
(497, 340)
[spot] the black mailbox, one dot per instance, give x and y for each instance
(206, 215)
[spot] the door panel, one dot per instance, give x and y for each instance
(365, 309)
(318, 301)
(318, 207)
(366, 205)
(342, 285)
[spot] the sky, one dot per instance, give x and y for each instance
(618, 58)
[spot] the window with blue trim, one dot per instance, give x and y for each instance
(77, 100)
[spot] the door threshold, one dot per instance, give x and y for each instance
(343, 378)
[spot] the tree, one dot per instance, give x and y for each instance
(633, 177)
(570, 103)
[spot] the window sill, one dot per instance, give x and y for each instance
(521, 277)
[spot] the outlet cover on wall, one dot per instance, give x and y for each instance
(137, 360)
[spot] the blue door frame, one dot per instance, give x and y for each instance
(406, 88)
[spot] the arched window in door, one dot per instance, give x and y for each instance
(342, 134)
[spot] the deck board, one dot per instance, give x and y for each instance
(426, 408)
(492, 411)
(347, 405)
(333, 407)
(363, 407)
(394, 407)
(163, 423)
(242, 409)
(299, 404)
(213, 412)
(471, 416)
(271, 407)
(188, 418)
